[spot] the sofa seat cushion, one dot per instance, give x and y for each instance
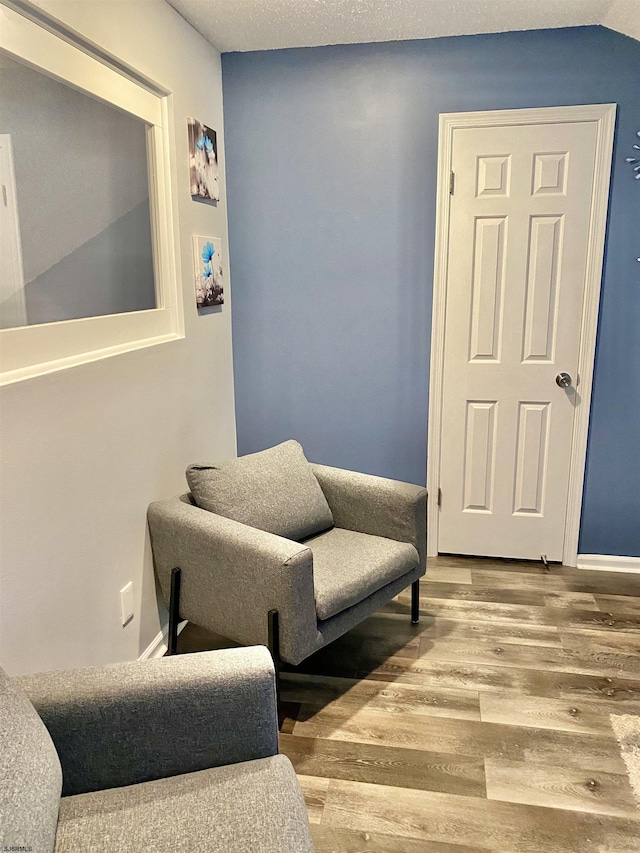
(348, 567)
(274, 490)
(239, 808)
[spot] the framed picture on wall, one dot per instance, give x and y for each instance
(208, 271)
(203, 161)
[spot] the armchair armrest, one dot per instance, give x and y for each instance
(132, 722)
(233, 574)
(376, 505)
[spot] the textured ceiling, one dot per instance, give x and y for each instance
(624, 16)
(266, 24)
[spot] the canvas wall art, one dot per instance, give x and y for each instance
(203, 161)
(208, 271)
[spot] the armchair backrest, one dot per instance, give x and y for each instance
(31, 774)
(274, 490)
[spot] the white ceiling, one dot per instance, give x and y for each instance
(267, 24)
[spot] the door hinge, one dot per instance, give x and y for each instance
(439, 497)
(4, 196)
(452, 182)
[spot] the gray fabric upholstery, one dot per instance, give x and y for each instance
(132, 722)
(348, 567)
(253, 807)
(144, 720)
(233, 574)
(31, 775)
(376, 505)
(274, 490)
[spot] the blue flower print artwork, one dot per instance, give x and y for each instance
(208, 251)
(203, 161)
(208, 271)
(205, 144)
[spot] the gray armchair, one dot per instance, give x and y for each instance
(269, 549)
(177, 753)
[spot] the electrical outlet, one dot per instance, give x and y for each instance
(126, 603)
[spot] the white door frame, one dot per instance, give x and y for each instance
(604, 115)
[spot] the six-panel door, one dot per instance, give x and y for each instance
(518, 241)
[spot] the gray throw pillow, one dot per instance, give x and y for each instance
(274, 490)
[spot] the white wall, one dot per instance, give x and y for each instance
(85, 450)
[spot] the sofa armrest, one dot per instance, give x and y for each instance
(376, 505)
(233, 574)
(126, 723)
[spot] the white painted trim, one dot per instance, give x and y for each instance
(29, 351)
(42, 49)
(15, 300)
(606, 563)
(157, 648)
(589, 327)
(8, 377)
(604, 115)
(436, 375)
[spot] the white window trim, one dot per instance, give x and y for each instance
(29, 351)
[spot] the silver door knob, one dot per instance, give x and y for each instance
(563, 380)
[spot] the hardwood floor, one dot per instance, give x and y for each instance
(484, 728)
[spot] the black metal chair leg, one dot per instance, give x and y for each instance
(415, 602)
(174, 612)
(273, 643)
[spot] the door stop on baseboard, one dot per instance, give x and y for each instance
(543, 558)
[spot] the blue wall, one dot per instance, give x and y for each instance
(331, 175)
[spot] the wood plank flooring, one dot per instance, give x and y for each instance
(484, 728)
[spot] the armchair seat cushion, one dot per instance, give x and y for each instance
(239, 808)
(348, 567)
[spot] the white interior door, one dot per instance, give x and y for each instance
(13, 310)
(519, 232)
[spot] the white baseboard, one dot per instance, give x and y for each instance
(158, 646)
(605, 563)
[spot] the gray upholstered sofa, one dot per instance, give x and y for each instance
(179, 753)
(321, 548)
